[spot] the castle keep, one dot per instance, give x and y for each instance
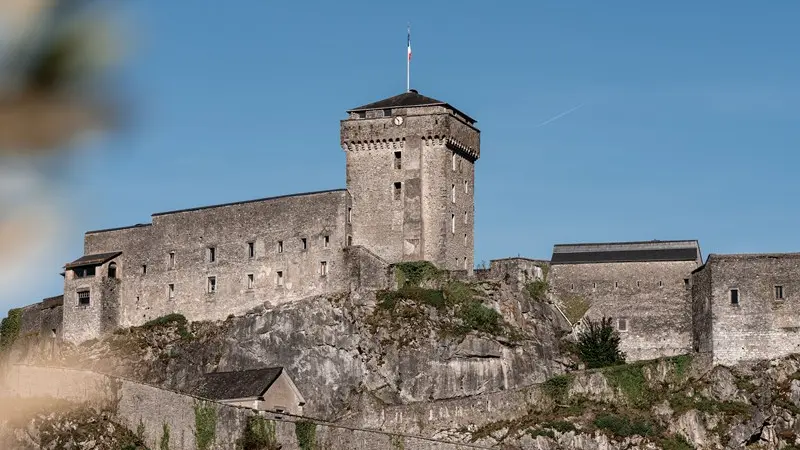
(410, 177)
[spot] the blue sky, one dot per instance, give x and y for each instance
(687, 126)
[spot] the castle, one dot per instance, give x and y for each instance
(409, 196)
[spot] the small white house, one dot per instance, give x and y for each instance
(268, 389)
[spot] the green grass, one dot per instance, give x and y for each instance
(676, 442)
(414, 273)
(629, 379)
(623, 426)
(557, 387)
(177, 319)
(534, 432)
(682, 364)
(537, 290)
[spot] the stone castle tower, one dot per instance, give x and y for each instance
(411, 173)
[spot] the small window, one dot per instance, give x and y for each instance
(279, 278)
(212, 254)
(326, 241)
(660, 283)
(454, 161)
(251, 281)
(460, 166)
(734, 296)
(280, 246)
(398, 160)
(453, 193)
(465, 238)
(465, 263)
(251, 249)
(171, 290)
(323, 268)
(361, 114)
(398, 190)
(616, 284)
(572, 285)
(638, 283)
(112, 270)
(83, 298)
(349, 240)
(171, 263)
(212, 285)
(466, 218)
(778, 292)
(387, 112)
(622, 324)
(349, 215)
(452, 223)
(466, 187)
(594, 285)
(685, 282)
(304, 243)
(144, 269)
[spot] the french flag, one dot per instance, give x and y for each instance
(409, 44)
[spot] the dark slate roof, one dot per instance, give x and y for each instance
(239, 384)
(92, 260)
(626, 252)
(408, 99)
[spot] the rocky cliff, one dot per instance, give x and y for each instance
(417, 344)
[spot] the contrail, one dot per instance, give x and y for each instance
(558, 116)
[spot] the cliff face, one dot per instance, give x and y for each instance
(416, 345)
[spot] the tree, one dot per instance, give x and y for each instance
(598, 344)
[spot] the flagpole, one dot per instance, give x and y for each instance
(408, 62)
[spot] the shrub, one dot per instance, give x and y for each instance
(477, 316)
(562, 426)
(9, 328)
(259, 434)
(534, 432)
(414, 273)
(164, 437)
(169, 319)
(677, 442)
(537, 290)
(623, 426)
(598, 344)
(205, 425)
(557, 387)
(306, 433)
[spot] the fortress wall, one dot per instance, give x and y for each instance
(760, 326)
(701, 311)
(229, 229)
(134, 403)
(659, 319)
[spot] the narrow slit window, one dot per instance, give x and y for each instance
(326, 241)
(454, 161)
(734, 294)
(349, 215)
(112, 270)
(280, 246)
(686, 282)
(453, 193)
(398, 160)
(466, 187)
(83, 298)
(171, 290)
(171, 261)
(465, 238)
(251, 249)
(778, 292)
(398, 190)
(144, 269)
(212, 254)
(251, 281)
(465, 263)
(349, 240)
(279, 278)
(323, 268)
(622, 324)
(466, 218)
(452, 223)
(212, 285)
(660, 283)
(304, 243)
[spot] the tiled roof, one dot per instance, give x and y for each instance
(238, 384)
(408, 99)
(92, 260)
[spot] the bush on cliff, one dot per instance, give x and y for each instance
(598, 344)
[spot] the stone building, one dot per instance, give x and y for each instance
(267, 389)
(745, 306)
(643, 286)
(409, 196)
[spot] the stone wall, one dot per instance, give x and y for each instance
(437, 151)
(760, 326)
(652, 298)
(146, 272)
(136, 405)
(701, 311)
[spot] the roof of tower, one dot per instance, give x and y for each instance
(408, 99)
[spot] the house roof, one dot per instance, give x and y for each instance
(238, 384)
(92, 260)
(638, 251)
(408, 99)
(51, 302)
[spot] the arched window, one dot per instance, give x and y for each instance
(112, 270)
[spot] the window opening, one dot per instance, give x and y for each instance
(251, 249)
(250, 281)
(734, 296)
(212, 285)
